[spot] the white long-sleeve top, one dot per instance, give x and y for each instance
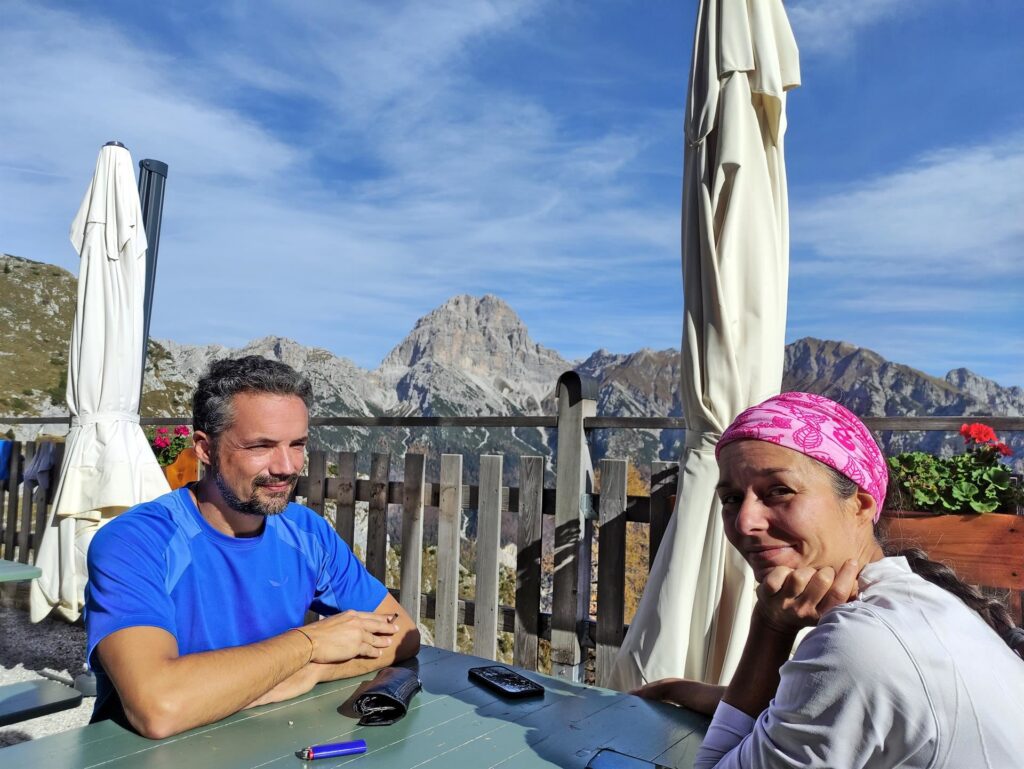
(904, 676)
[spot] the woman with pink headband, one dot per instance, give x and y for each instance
(906, 666)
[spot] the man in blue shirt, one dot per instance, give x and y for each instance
(195, 601)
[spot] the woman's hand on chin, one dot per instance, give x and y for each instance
(791, 599)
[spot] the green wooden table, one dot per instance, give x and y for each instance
(452, 723)
(10, 571)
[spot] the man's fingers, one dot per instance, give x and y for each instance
(352, 614)
(377, 623)
(370, 651)
(382, 627)
(377, 640)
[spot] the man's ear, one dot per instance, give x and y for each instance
(204, 447)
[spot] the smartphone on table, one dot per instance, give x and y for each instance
(506, 681)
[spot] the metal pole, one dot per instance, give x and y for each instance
(152, 180)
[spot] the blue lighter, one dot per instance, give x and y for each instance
(333, 750)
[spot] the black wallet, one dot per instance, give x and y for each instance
(387, 697)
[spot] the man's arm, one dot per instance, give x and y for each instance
(405, 643)
(164, 693)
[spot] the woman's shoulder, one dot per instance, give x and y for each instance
(856, 632)
(851, 669)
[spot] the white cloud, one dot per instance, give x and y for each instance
(830, 27)
(949, 213)
(925, 265)
(460, 186)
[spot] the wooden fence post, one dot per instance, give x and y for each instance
(577, 400)
(345, 511)
(488, 540)
(317, 482)
(664, 479)
(28, 493)
(377, 517)
(528, 560)
(11, 524)
(49, 494)
(611, 566)
(412, 533)
(449, 528)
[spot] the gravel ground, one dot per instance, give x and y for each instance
(52, 649)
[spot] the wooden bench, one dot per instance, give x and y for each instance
(30, 699)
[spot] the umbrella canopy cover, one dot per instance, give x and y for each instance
(693, 617)
(108, 464)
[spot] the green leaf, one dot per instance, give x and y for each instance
(980, 506)
(964, 491)
(926, 497)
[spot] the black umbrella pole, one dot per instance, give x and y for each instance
(152, 181)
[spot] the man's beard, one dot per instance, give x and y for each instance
(254, 505)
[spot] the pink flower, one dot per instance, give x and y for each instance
(161, 442)
(181, 430)
(162, 431)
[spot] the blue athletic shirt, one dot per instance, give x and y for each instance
(162, 565)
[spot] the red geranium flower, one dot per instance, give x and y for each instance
(978, 433)
(1003, 449)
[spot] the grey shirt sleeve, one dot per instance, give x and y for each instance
(850, 697)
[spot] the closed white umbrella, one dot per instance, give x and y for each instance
(108, 465)
(693, 617)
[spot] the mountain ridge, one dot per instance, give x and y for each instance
(474, 356)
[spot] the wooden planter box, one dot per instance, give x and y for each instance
(983, 549)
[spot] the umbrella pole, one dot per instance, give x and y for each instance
(152, 181)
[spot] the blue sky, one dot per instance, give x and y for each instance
(338, 169)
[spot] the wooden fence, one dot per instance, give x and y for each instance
(570, 509)
(530, 506)
(26, 494)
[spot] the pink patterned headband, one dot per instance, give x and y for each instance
(821, 429)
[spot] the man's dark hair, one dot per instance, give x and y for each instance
(211, 404)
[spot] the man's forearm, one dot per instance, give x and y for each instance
(406, 644)
(201, 688)
(757, 675)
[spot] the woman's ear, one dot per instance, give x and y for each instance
(865, 506)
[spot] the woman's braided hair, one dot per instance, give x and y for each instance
(992, 610)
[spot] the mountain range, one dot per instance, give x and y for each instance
(470, 356)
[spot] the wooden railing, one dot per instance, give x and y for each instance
(569, 509)
(531, 508)
(26, 494)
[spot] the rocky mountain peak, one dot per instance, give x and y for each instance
(464, 327)
(1004, 400)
